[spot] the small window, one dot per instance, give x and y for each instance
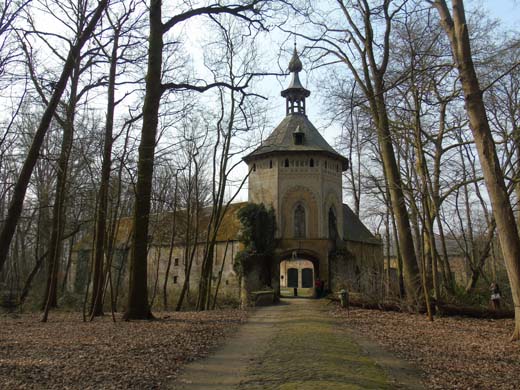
(175, 279)
(254, 167)
(270, 164)
(227, 282)
(311, 163)
(176, 262)
(298, 138)
(325, 164)
(286, 164)
(337, 168)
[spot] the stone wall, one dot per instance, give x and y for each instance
(358, 267)
(158, 256)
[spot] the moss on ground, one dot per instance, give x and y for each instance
(310, 352)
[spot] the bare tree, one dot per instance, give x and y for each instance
(121, 25)
(138, 305)
(364, 48)
(20, 188)
(455, 25)
(237, 61)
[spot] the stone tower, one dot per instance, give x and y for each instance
(299, 174)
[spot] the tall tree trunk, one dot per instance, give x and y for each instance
(457, 31)
(172, 243)
(58, 212)
(96, 308)
(447, 274)
(191, 238)
(400, 273)
(410, 268)
(138, 306)
(219, 280)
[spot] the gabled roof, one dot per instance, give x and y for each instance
(281, 140)
(355, 230)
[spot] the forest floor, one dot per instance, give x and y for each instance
(452, 352)
(67, 353)
(287, 346)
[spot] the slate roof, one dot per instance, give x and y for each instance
(161, 224)
(160, 228)
(355, 230)
(281, 140)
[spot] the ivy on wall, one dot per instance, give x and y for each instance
(257, 234)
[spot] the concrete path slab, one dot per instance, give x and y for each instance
(297, 345)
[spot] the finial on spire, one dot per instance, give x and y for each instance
(295, 65)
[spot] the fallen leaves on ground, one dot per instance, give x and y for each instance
(453, 352)
(66, 353)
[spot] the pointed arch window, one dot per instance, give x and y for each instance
(333, 225)
(299, 221)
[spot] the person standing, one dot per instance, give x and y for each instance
(495, 296)
(322, 287)
(317, 288)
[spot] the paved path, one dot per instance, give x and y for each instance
(297, 345)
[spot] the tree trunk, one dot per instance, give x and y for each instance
(96, 308)
(217, 287)
(411, 275)
(138, 307)
(58, 217)
(457, 31)
(172, 243)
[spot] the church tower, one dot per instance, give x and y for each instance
(297, 172)
(300, 175)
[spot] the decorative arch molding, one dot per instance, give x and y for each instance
(292, 198)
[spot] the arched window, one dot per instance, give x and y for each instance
(254, 167)
(333, 225)
(270, 164)
(286, 162)
(299, 222)
(311, 163)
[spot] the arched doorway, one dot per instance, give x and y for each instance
(297, 275)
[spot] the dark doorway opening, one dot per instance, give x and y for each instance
(307, 278)
(292, 277)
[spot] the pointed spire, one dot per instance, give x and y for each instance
(295, 93)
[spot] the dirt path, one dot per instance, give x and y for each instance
(297, 345)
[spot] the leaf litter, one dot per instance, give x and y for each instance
(452, 352)
(67, 353)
